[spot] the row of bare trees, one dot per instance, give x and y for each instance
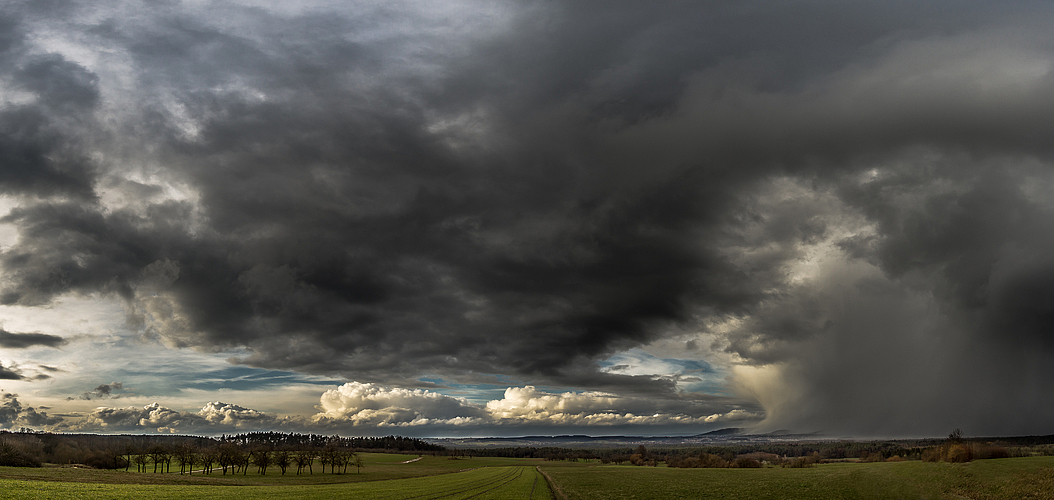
(236, 459)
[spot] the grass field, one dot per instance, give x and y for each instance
(490, 482)
(387, 477)
(379, 467)
(1011, 478)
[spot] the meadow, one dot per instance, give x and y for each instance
(396, 477)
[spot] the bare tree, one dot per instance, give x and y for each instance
(262, 459)
(185, 455)
(167, 459)
(229, 457)
(140, 461)
(129, 450)
(115, 454)
(209, 457)
(324, 458)
(281, 459)
(301, 459)
(245, 459)
(158, 454)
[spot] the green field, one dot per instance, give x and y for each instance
(1010, 478)
(386, 477)
(489, 482)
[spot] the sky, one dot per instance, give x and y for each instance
(528, 217)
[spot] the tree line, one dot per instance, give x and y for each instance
(235, 454)
(302, 453)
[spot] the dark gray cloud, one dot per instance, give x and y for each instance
(11, 373)
(103, 391)
(38, 148)
(23, 340)
(387, 194)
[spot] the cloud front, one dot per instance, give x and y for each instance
(818, 216)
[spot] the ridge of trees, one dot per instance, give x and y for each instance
(301, 453)
(234, 453)
(277, 439)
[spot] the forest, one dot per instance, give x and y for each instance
(301, 453)
(235, 453)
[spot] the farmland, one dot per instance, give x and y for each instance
(1010, 478)
(389, 476)
(490, 482)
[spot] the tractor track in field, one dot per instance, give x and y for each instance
(503, 479)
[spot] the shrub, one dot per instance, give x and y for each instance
(958, 453)
(984, 452)
(762, 457)
(704, 461)
(105, 461)
(12, 455)
(711, 461)
(873, 457)
(746, 463)
(798, 463)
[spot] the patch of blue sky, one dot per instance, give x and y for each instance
(637, 362)
(476, 393)
(236, 378)
(692, 375)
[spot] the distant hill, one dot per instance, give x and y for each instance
(730, 435)
(722, 432)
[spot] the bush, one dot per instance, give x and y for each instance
(873, 457)
(797, 463)
(958, 453)
(704, 461)
(12, 455)
(762, 457)
(746, 463)
(984, 452)
(105, 461)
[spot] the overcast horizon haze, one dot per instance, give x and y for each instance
(453, 218)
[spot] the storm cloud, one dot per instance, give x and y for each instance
(842, 207)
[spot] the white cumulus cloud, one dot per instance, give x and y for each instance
(362, 405)
(371, 405)
(214, 417)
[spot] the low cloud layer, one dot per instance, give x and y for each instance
(213, 418)
(15, 415)
(838, 211)
(368, 405)
(363, 408)
(530, 406)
